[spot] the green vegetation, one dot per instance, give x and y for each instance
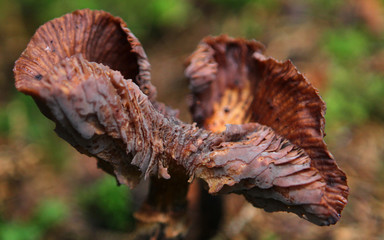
(108, 206)
(355, 95)
(48, 214)
(347, 46)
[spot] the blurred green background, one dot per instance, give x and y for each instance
(49, 191)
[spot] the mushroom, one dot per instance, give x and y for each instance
(89, 74)
(232, 82)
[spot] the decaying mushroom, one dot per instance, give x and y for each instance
(232, 82)
(89, 74)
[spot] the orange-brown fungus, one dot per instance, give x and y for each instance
(89, 74)
(272, 93)
(231, 109)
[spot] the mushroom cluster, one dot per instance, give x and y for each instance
(259, 124)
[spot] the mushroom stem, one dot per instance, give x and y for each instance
(165, 206)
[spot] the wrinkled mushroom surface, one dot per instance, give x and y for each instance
(97, 35)
(232, 82)
(89, 74)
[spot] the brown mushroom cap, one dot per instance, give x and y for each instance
(81, 37)
(96, 35)
(232, 82)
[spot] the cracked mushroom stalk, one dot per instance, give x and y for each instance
(259, 128)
